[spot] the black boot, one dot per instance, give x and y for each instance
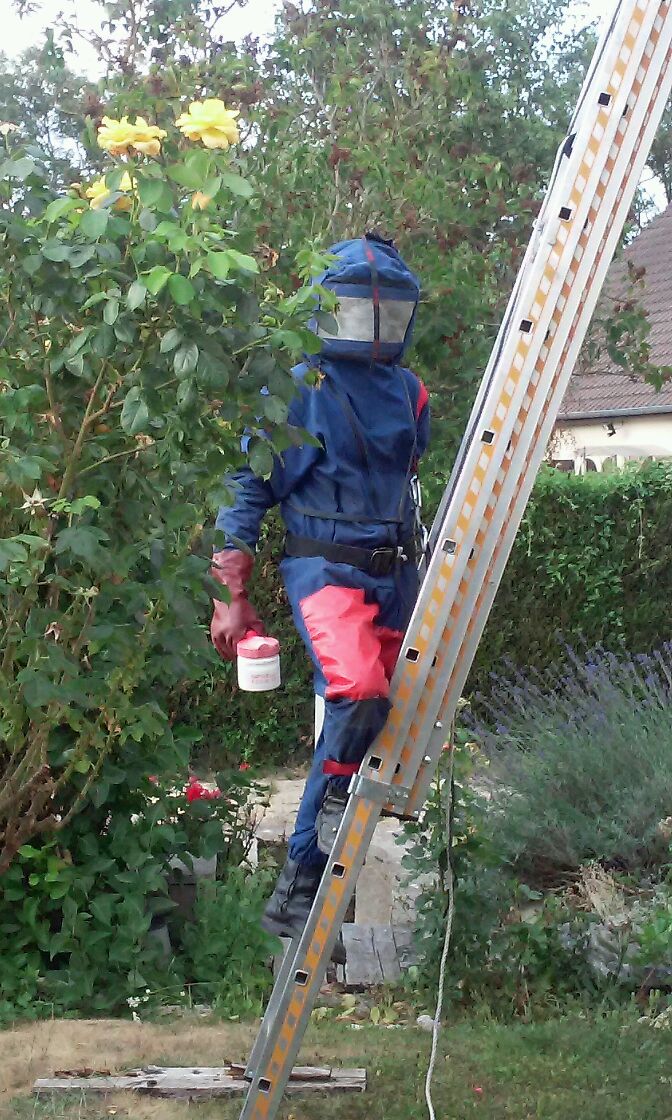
(330, 816)
(287, 910)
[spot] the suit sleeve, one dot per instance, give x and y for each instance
(254, 496)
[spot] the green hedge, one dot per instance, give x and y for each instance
(592, 562)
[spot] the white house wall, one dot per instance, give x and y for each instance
(589, 443)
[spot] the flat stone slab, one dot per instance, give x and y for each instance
(376, 954)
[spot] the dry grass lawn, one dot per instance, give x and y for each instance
(38, 1049)
(595, 1068)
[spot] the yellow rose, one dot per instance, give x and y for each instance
(200, 201)
(121, 137)
(116, 137)
(147, 137)
(99, 193)
(211, 122)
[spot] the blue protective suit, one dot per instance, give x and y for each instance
(371, 418)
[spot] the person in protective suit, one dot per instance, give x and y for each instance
(349, 564)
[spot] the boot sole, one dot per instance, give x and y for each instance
(279, 929)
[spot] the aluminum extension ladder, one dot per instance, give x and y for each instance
(576, 233)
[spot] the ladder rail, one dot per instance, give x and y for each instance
(472, 425)
(398, 764)
(529, 447)
(438, 607)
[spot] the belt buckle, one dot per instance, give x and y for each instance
(381, 561)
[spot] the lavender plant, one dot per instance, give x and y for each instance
(581, 762)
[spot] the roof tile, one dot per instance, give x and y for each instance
(608, 387)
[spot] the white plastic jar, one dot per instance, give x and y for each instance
(258, 663)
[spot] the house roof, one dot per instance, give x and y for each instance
(608, 390)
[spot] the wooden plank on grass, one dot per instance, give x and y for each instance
(200, 1082)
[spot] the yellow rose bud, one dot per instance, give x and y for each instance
(200, 201)
(210, 122)
(98, 192)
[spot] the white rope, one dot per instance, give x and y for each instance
(436, 1029)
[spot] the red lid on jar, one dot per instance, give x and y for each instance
(254, 646)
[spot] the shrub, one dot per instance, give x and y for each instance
(136, 333)
(77, 908)
(582, 758)
(226, 950)
(515, 961)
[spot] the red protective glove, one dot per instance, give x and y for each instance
(232, 621)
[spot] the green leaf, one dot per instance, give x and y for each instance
(147, 221)
(83, 541)
(19, 168)
(186, 397)
(136, 295)
(135, 413)
(93, 223)
(193, 172)
(242, 261)
(276, 410)
(260, 457)
(124, 330)
(181, 289)
(98, 297)
(111, 311)
(88, 501)
(81, 254)
(103, 342)
(211, 186)
(150, 191)
(27, 851)
(61, 206)
(113, 179)
(167, 229)
(219, 265)
(56, 251)
(170, 340)
(33, 264)
(237, 185)
(75, 344)
(186, 359)
(157, 278)
(11, 553)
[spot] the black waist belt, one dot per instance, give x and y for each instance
(376, 561)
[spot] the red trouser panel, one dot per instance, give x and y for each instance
(355, 655)
(390, 644)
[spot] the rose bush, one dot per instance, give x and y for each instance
(137, 330)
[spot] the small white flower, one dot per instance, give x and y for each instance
(34, 500)
(133, 1001)
(135, 1017)
(6, 127)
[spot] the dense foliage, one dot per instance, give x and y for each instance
(84, 912)
(136, 333)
